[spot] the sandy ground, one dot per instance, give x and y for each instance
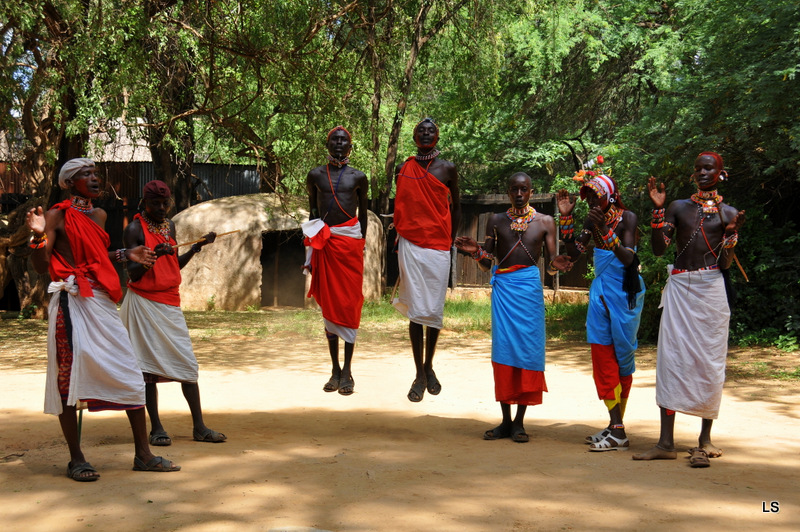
(298, 458)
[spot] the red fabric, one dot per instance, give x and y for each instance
(518, 386)
(422, 207)
(605, 370)
(89, 244)
(162, 282)
(337, 274)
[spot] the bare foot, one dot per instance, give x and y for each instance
(656, 453)
(711, 450)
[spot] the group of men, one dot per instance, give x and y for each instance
(113, 360)
(691, 366)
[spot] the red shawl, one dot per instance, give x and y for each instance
(89, 244)
(422, 207)
(162, 282)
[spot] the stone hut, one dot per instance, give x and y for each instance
(260, 265)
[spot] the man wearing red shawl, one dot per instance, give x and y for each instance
(335, 237)
(151, 311)
(427, 211)
(693, 333)
(89, 356)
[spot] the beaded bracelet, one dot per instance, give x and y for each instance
(580, 246)
(658, 218)
(567, 226)
(667, 227)
(551, 269)
(611, 240)
(481, 254)
(38, 242)
(119, 255)
(730, 241)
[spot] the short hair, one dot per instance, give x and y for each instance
(518, 174)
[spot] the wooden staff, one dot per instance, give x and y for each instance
(176, 246)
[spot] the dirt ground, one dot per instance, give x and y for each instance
(300, 459)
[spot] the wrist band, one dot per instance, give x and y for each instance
(38, 242)
(658, 218)
(120, 256)
(611, 240)
(481, 254)
(730, 241)
(196, 248)
(566, 224)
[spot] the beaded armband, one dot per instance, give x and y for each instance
(119, 255)
(567, 225)
(730, 242)
(658, 218)
(482, 254)
(38, 242)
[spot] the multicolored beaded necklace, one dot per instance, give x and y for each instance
(81, 204)
(520, 221)
(613, 216)
(708, 200)
(338, 162)
(156, 228)
(428, 156)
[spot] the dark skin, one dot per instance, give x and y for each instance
(351, 187)
(686, 215)
(85, 184)
(500, 241)
(595, 222)
(156, 209)
(447, 174)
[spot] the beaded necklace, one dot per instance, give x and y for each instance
(81, 204)
(428, 156)
(338, 162)
(613, 216)
(709, 200)
(157, 228)
(520, 221)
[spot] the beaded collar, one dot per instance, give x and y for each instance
(338, 162)
(520, 221)
(81, 204)
(428, 156)
(709, 200)
(613, 216)
(157, 228)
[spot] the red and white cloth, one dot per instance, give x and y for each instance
(336, 257)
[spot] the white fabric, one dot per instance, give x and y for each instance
(160, 338)
(692, 343)
(71, 168)
(422, 285)
(312, 227)
(103, 364)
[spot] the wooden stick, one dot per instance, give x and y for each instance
(739, 264)
(176, 246)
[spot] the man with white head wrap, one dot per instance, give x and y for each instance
(89, 356)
